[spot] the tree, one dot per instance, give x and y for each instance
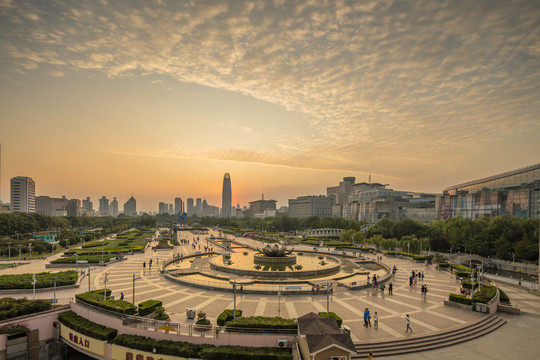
(40, 249)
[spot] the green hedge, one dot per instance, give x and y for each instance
(484, 294)
(227, 315)
(462, 299)
(148, 307)
(11, 308)
(504, 298)
(43, 280)
(332, 316)
(206, 352)
(13, 329)
(443, 265)
(463, 274)
(413, 256)
(92, 259)
(86, 327)
(262, 322)
(467, 284)
(244, 353)
(95, 299)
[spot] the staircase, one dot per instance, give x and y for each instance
(431, 341)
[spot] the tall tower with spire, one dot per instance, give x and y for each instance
(226, 196)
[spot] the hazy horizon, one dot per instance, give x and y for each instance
(159, 99)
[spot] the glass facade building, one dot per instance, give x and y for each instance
(515, 193)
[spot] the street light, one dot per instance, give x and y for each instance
(102, 262)
(54, 299)
(9, 249)
(89, 282)
(30, 247)
(105, 289)
(20, 246)
(134, 278)
(234, 301)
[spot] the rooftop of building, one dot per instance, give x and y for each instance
(495, 177)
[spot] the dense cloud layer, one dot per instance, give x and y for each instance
(375, 79)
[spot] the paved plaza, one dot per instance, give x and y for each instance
(519, 336)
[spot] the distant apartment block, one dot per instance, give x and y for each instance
(103, 206)
(113, 208)
(178, 205)
(130, 207)
(306, 206)
(73, 207)
(341, 194)
(23, 194)
(257, 208)
(515, 193)
(87, 207)
(190, 209)
(163, 208)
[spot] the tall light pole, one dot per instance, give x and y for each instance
(54, 299)
(19, 246)
(279, 300)
(105, 289)
(30, 247)
(134, 278)
(9, 249)
(327, 301)
(77, 261)
(89, 282)
(102, 262)
(234, 301)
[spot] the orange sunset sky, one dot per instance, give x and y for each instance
(160, 98)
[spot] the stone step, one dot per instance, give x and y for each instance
(450, 332)
(431, 341)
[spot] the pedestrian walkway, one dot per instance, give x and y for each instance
(428, 314)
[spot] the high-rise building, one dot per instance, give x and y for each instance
(114, 207)
(306, 206)
(23, 194)
(189, 207)
(87, 206)
(170, 210)
(46, 205)
(341, 195)
(178, 205)
(130, 207)
(103, 206)
(163, 208)
(226, 196)
(198, 207)
(259, 208)
(73, 207)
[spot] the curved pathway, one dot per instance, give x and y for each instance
(427, 315)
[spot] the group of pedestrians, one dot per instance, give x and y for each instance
(367, 319)
(415, 276)
(316, 289)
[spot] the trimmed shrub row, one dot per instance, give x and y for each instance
(462, 299)
(484, 294)
(504, 298)
(43, 280)
(11, 308)
(333, 316)
(92, 259)
(468, 285)
(262, 322)
(206, 352)
(96, 299)
(148, 307)
(227, 315)
(86, 327)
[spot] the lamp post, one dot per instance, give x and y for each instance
(102, 262)
(19, 246)
(54, 298)
(77, 260)
(234, 301)
(105, 288)
(327, 301)
(134, 278)
(279, 300)
(30, 248)
(9, 249)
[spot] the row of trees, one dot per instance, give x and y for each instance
(26, 224)
(503, 236)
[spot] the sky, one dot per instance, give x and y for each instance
(159, 99)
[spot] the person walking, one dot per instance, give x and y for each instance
(376, 321)
(368, 317)
(425, 292)
(121, 296)
(366, 312)
(144, 265)
(408, 322)
(390, 287)
(370, 356)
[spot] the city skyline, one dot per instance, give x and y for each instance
(159, 100)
